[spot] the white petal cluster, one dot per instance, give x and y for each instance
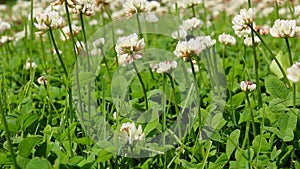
(191, 24)
(227, 39)
(248, 86)
(188, 3)
(47, 20)
(293, 72)
(42, 80)
(180, 34)
(166, 66)
(186, 49)
(132, 133)
(135, 6)
(285, 29)
(129, 48)
(67, 34)
(97, 44)
(4, 26)
(240, 22)
(248, 41)
(86, 7)
(29, 64)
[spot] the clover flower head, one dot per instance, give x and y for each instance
(191, 24)
(293, 72)
(248, 86)
(285, 29)
(241, 22)
(42, 80)
(227, 39)
(4, 26)
(132, 133)
(30, 64)
(47, 20)
(166, 66)
(248, 41)
(67, 34)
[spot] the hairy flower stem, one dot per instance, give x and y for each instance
(142, 83)
(291, 63)
(251, 114)
(272, 55)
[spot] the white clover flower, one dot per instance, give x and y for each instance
(42, 80)
(227, 39)
(293, 72)
(194, 46)
(247, 86)
(132, 133)
(129, 44)
(248, 41)
(166, 66)
(240, 22)
(67, 34)
(5, 39)
(4, 26)
(152, 6)
(47, 20)
(180, 34)
(97, 44)
(285, 29)
(191, 24)
(188, 3)
(206, 41)
(29, 64)
(153, 66)
(135, 6)
(86, 7)
(115, 115)
(129, 48)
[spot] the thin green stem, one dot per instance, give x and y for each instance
(251, 114)
(193, 10)
(57, 52)
(256, 67)
(142, 84)
(223, 54)
(139, 25)
(175, 102)
(4, 122)
(272, 55)
(291, 63)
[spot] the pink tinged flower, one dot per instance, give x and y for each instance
(247, 86)
(285, 29)
(132, 133)
(293, 72)
(42, 80)
(166, 66)
(227, 39)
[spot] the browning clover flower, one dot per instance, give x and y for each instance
(48, 20)
(129, 48)
(285, 29)
(293, 72)
(132, 133)
(248, 86)
(227, 39)
(240, 22)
